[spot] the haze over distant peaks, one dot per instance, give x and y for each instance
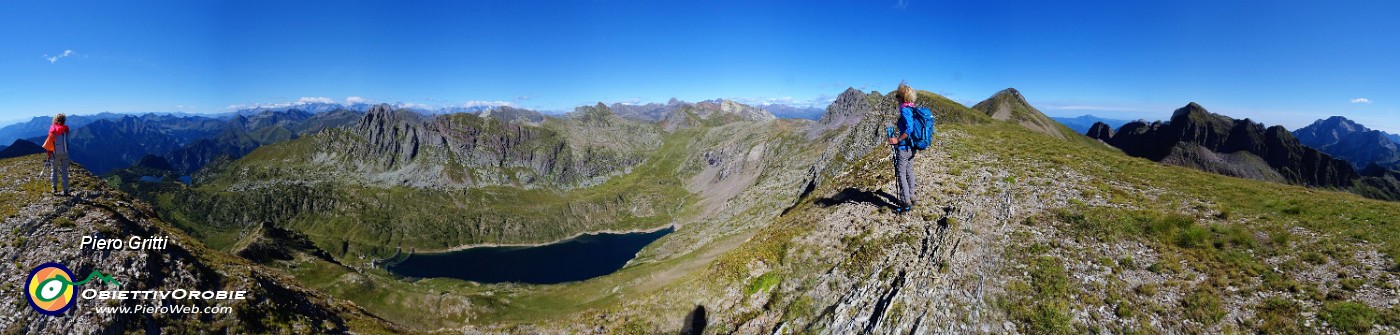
(1081, 124)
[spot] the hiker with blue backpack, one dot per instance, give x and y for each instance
(912, 133)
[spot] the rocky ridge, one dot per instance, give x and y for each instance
(1197, 138)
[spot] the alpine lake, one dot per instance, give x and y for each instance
(574, 259)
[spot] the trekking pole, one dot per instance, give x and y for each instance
(889, 133)
(894, 158)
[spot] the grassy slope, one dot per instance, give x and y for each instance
(1233, 231)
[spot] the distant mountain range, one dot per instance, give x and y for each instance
(1352, 142)
(1082, 123)
(39, 125)
(113, 141)
(1197, 138)
(109, 141)
(790, 112)
(657, 111)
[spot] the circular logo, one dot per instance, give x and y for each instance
(49, 289)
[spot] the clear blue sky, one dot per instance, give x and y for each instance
(1280, 62)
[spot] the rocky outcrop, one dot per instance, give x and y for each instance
(1100, 131)
(48, 228)
(1346, 140)
(400, 147)
(848, 108)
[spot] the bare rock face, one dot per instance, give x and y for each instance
(1101, 131)
(850, 106)
(48, 228)
(511, 147)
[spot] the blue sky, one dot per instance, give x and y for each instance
(1279, 62)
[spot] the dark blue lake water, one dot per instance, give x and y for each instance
(579, 258)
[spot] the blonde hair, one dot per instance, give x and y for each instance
(906, 93)
(60, 118)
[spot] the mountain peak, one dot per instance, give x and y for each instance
(1011, 93)
(1192, 111)
(381, 109)
(849, 105)
(1340, 124)
(1010, 105)
(1350, 141)
(1100, 131)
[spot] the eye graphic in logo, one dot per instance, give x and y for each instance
(50, 289)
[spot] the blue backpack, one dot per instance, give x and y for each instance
(923, 129)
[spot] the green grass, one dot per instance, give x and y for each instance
(1349, 317)
(1041, 305)
(1203, 305)
(1278, 316)
(763, 283)
(11, 202)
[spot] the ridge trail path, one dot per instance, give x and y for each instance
(943, 281)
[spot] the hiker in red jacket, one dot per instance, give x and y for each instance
(57, 146)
